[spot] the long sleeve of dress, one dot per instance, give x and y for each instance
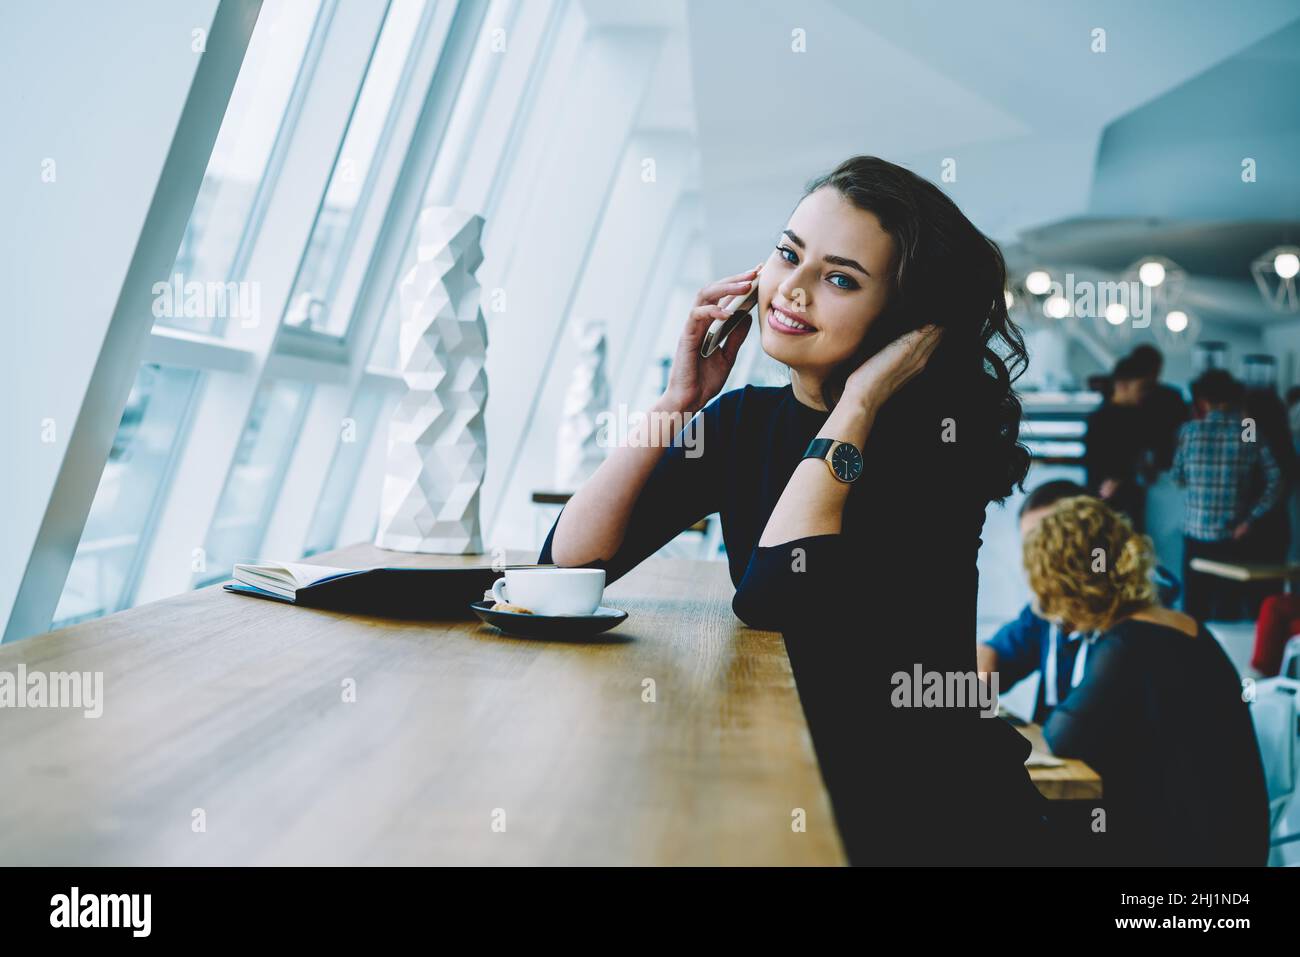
(788, 578)
(683, 488)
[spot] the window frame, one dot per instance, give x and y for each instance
(325, 345)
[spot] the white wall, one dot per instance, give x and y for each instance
(96, 90)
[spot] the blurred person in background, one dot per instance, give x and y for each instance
(1031, 644)
(1165, 410)
(1279, 614)
(1270, 537)
(1117, 443)
(1164, 406)
(1158, 711)
(1293, 415)
(1278, 623)
(1293, 420)
(1232, 482)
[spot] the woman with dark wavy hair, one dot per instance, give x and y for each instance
(852, 501)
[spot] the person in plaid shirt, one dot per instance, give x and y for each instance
(1232, 481)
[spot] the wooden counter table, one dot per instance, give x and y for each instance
(1247, 572)
(1072, 781)
(234, 705)
(230, 712)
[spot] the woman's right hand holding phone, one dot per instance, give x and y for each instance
(693, 380)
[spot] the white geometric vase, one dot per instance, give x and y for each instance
(578, 452)
(437, 444)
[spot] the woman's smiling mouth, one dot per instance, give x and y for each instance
(786, 323)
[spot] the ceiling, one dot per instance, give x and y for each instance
(1013, 92)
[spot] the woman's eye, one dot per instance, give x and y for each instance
(841, 281)
(787, 254)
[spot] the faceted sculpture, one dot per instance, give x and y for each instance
(437, 444)
(578, 451)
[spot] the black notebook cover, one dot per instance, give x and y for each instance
(421, 593)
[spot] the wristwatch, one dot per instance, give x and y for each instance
(843, 458)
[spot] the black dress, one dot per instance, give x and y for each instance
(1160, 717)
(895, 589)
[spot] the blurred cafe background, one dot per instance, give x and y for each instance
(621, 154)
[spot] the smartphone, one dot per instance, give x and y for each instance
(721, 328)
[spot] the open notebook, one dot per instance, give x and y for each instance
(426, 593)
(283, 579)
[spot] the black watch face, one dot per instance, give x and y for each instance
(846, 460)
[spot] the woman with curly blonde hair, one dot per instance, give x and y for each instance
(1158, 712)
(1089, 567)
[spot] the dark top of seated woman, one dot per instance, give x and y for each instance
(1159, 711)
(1159, 715)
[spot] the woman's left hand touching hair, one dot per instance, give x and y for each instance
(879, 377)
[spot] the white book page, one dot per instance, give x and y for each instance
(284, 578)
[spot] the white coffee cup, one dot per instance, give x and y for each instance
(552, 591)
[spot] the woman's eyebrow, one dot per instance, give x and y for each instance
(852, 263)
(835, 260)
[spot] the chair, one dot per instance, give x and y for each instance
(1291, 658)
(1237, 639)
(1275, 715)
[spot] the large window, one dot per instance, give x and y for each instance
(311, 305)
(356, 437)
(342, 114)
(255, 478)
(103, 572)
(224, 219)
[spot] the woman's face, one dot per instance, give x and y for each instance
(829, 273)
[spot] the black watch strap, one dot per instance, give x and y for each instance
(818, 448)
